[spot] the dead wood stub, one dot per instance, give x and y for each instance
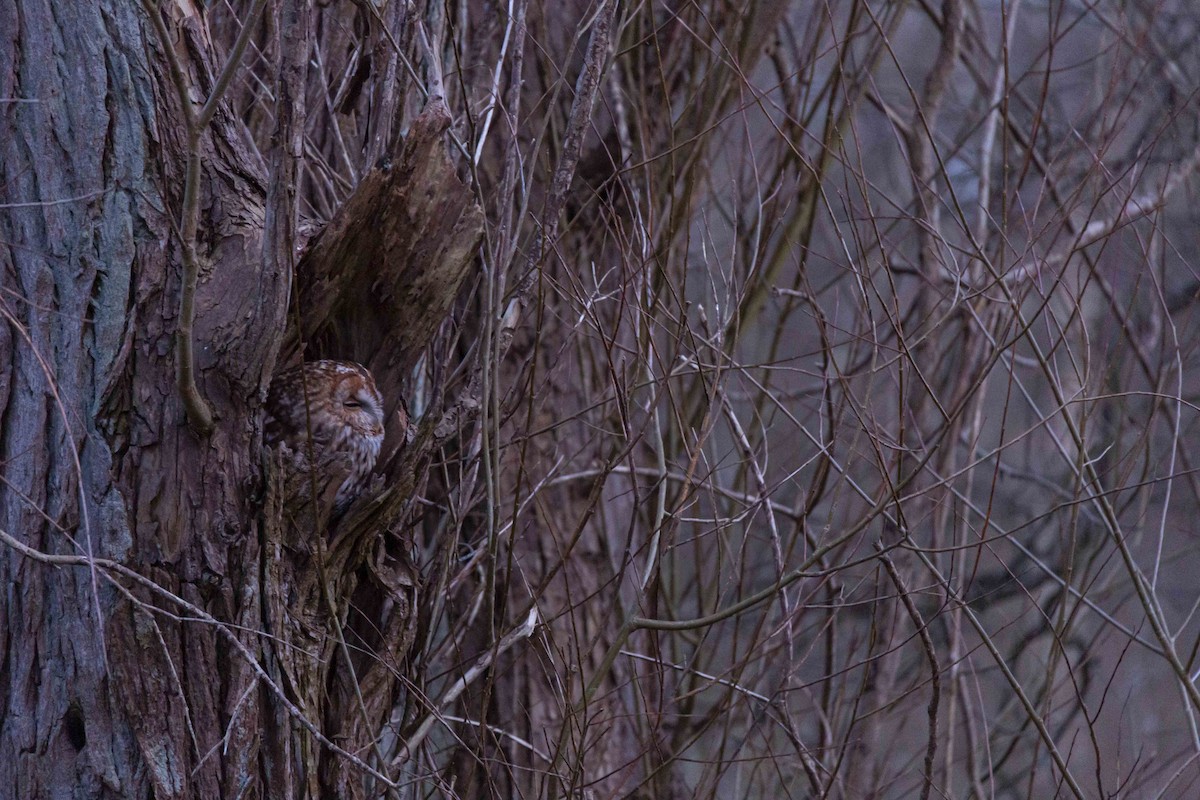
(380, 278)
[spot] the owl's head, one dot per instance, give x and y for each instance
(355, 399)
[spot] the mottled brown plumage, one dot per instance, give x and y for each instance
(344, 416)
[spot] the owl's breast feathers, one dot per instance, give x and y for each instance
(338, 404)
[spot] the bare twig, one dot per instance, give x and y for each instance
(199, 414)
(481, 666)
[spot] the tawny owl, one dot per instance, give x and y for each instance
(344, 415)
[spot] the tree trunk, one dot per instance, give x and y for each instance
(167, 630)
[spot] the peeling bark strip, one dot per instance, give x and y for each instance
(379, 279)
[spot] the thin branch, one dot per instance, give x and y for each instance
(199, 413)
(481, 665)
(935, 671)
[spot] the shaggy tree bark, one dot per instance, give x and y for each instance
(166, 630)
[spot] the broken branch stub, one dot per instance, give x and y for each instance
(378, 281)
